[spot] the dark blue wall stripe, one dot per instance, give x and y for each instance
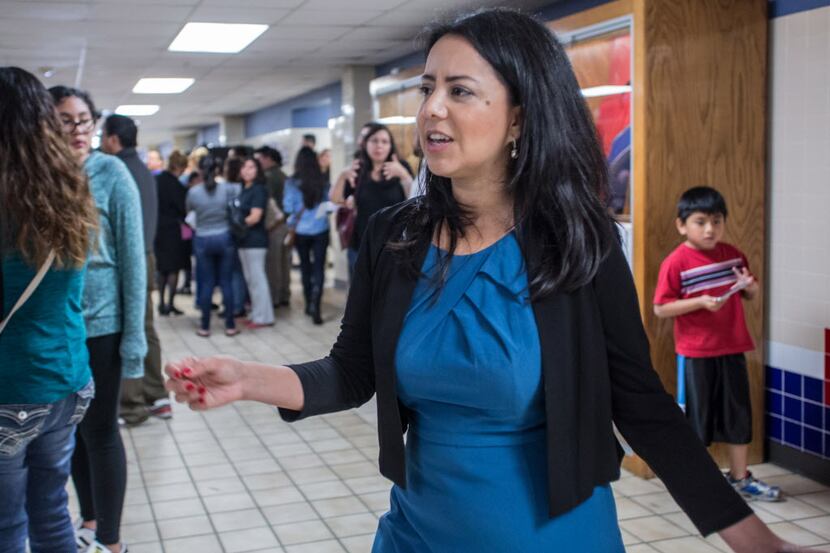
(208, 135)
(566, 8)
(777, 8)
(404, 62)
(319, 105)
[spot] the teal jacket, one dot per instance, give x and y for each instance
(43, 355)
(115, 290)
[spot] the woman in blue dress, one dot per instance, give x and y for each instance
(496, 320)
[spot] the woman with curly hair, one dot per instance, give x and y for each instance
(114, 299)
(47, 221)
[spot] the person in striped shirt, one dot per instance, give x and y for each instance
(702, 285)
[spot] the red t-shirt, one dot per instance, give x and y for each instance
(688, 273)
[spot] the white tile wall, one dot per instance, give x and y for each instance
(798, 284)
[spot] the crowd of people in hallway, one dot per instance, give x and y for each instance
(493, 315)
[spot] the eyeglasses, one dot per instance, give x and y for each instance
(81, 126)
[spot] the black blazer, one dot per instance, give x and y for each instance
(596, 368)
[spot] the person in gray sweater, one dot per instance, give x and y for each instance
(213, 245)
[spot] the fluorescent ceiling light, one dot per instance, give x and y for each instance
(605, 90)
(396, 120)
(161, 86)
(225, 38)
(136, 110)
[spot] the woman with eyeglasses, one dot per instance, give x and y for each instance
(113, 306)
(44, 369)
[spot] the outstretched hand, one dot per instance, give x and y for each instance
(206, 382)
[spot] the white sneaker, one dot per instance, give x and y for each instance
(98, 547)
(84, 537)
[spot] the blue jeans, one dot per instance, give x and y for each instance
(214, 262)
(36, 443)
(312, 251)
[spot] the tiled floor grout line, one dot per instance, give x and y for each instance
(239, 475)
(193, 481)
(301, 340)
(296, 485)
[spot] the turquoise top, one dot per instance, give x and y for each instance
(116, 281)
(469, 373)
(43, 348)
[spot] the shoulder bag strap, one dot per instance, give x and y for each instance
(30, 289)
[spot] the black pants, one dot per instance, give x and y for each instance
(99, 464)
(717, 399)
(312, 251)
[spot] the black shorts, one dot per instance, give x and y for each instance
(717, 399)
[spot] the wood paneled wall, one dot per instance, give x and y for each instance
(700, 118)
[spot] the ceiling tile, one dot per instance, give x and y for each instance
(222, 14)
(303, 16)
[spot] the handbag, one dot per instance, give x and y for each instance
(291, 237)
(30, 289)
(344, 220)
(185, 231)
(236, 218)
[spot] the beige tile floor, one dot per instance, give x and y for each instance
(239, 479)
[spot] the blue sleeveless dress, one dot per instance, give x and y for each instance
(469, 372)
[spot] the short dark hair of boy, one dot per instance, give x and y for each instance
(703, 199)
(311, 138)
(124, 128)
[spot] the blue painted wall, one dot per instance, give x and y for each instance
(312, 109)
(208, 135)
(404, 62)
(777, 8)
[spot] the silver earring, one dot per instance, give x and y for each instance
(514, 151)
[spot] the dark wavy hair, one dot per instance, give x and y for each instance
(45, 194)
(312, 181)
(365, 171)
(260, 174)
(60, 92)
(233, 165)
(558, 181)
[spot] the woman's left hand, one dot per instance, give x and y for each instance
(751, 535)
(394, 168)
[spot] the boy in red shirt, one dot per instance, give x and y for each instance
(701, 285)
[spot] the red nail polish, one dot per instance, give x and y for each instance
(202, 389)
(186, 371)
(177, 374)
(201, 400)
(189, 387)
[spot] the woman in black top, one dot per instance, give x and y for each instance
(511, 153)
(254, 245)
(380, 180)
(172, 252)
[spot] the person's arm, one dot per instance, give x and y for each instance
(656, 428)
(681, 307)
(342, 380)
(395, 169)
(347, 176)
(254, 216)
(258, 198)
(648, 417)
(129, 243)
(208, 382)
